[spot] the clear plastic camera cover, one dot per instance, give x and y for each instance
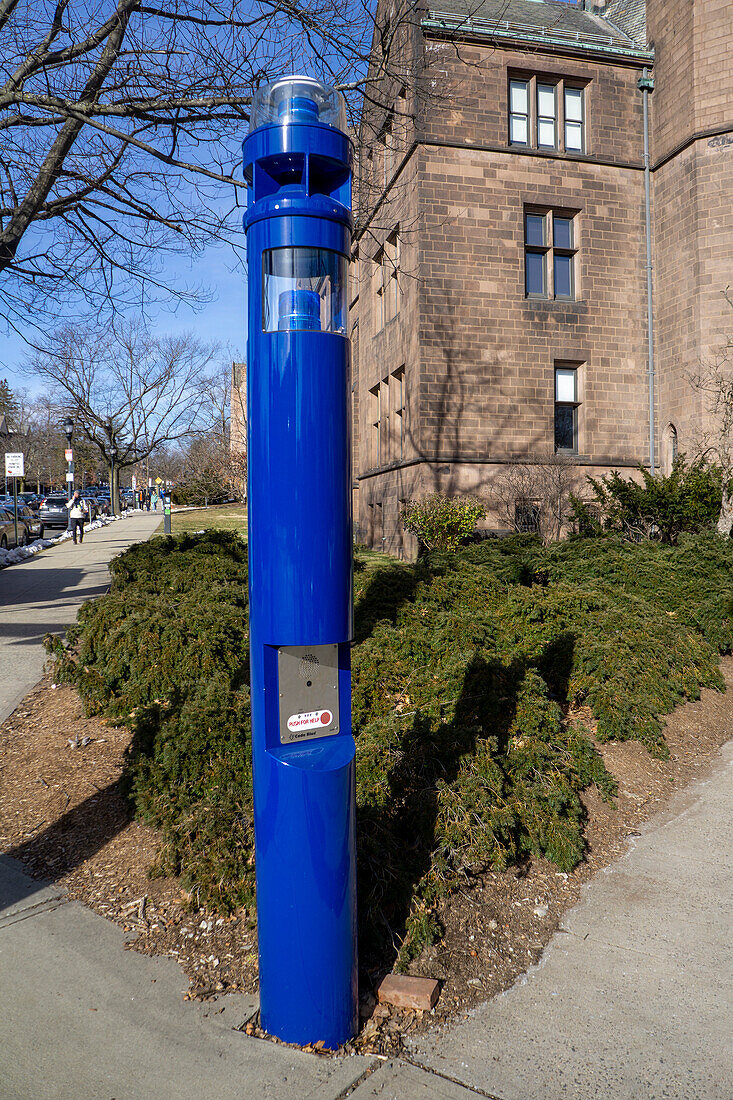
(295, 99)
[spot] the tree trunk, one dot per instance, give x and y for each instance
(725, 519)
(114, 489)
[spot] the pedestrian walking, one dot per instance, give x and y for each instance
(147, 499)
(78, 512)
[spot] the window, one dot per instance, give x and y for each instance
(670, 449)
(398, 409)
(546, 116)
(386, 276)
(391, 264)
(374, 431)
(378, 284)
(574, 120)
(304, 289)
(549, 254)
(519, 112)
(546, 113)
(387, 149)
(354, 273)
(563, 257)
(566, 409)
(381, 445)
(527, 516)
(535, 255)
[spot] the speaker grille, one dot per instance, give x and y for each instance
(308, 666)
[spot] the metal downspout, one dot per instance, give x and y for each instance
(646, 84)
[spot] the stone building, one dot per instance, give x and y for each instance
(500, 292)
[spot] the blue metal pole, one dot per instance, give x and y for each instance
(297, 162)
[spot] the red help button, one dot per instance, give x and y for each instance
(326, 718)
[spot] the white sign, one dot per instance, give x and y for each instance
(69, 454)
(70, 477)
(311, 720)
(134, 483)
(14, 465)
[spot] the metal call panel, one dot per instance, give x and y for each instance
(308, 687)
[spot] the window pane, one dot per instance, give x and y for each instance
(534, 229)
(574, 137)
(574, 104)
(518, 98)
(565, 379)
(563, 276)
(527, 516)
(546, 133)
(564, 428)
(303, 289)
(546, 100)
(563, 232)
(518, 129)
(535, 273)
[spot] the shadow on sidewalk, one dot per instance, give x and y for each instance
(66, 843)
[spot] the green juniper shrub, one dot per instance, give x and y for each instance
(658, 507)
(166, 653)
(441, 522)
(463, 670)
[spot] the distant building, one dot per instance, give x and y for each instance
(500, 293)
(238, 409)
(238, 430)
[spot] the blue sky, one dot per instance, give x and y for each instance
(222, 320)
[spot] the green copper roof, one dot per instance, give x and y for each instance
(548, 21)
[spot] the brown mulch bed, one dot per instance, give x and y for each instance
(62, 814)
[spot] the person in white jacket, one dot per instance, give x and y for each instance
(77, 514)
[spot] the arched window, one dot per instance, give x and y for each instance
(669, 449)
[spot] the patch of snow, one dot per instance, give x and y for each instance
(23, 553)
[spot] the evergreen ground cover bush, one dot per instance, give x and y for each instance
(464, 667)
(658, 506)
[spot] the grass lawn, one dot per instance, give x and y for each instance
(223, 517)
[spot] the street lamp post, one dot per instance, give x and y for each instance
(68, 427)
(112, 457)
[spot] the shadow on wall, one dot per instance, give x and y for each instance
(446, 432)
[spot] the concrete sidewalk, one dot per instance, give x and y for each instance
(83, 1019)
(44, 594)
(631, 1001)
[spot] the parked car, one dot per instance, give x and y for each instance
(31, 519)
(31, 499)
(53, 512)
(7, 529)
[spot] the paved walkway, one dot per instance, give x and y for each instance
(634, 999)
(44, 594)
(631, 1001)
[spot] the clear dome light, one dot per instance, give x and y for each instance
(297, 99)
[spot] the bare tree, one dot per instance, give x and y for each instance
(535, 497)
(714, 381)
(121, 125)
(123, 386)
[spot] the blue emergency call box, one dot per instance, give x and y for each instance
(297, 164)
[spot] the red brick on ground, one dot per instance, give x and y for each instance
(403, 991)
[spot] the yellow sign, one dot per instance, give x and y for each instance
(159, 481)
